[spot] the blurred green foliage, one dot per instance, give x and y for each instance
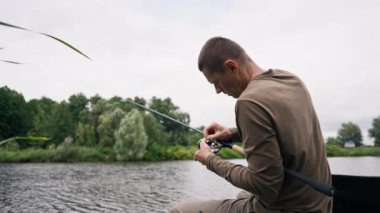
(85, 129)
(338, 151)
(80, 128)
(131, 138)
(374, 132)
(350, 132)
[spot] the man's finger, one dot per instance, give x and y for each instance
(200, 141)
(210, 129)
(211, 137)
(195, 155)
(204, 145)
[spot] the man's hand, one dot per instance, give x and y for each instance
(215, 131)
(203, 152)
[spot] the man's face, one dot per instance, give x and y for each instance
(225, 82)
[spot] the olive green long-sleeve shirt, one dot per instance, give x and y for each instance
(278, 126)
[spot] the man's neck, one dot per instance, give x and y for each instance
(254, 70)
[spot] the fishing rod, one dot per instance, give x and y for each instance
(30, 138)
(217, 145)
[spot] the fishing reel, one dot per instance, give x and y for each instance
(215, 146)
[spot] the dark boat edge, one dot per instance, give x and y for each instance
(356, 193)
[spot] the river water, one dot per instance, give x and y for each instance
(126, 187)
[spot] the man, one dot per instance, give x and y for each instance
(279, 129)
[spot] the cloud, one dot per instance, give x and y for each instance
(147, 49)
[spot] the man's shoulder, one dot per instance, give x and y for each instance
(269, 85)
(276, 74)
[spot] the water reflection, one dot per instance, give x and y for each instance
(130, 187)
(134, 187)
(361, 166)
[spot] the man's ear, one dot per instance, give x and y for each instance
(231, 65)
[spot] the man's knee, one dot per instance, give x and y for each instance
(210, 206)
(183, 207)
(175, 209)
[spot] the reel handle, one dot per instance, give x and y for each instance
(216, 146)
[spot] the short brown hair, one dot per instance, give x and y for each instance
(216, 51)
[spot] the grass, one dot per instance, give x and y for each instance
(73, 154)
(97, 154)
(336, 151)
(27, 155)
(177, 152)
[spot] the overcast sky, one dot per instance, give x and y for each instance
(150, 48)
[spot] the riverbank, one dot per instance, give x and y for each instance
(98, 154)
(336, 151)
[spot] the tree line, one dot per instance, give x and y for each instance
(113, 128)
(350, 132)
(94, 122)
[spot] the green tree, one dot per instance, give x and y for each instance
(94, 100)
(350, 132)
(65, 150)
(85, 135)
(333, 141)
(98, 107)
(131, 138)
(108, 123)
(104, 130)
(178, 133)
(374, 132)
(155, 131)
(61, 124)
(14, 116)
(127, 106)
(51, 119)
(41, 112)
(116, 101)
(78, 106)
(158, 138)
(139, 100)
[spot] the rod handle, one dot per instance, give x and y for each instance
(317, 185)
(238, 149)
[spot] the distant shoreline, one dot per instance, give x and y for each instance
(336, 151)
(97, 154)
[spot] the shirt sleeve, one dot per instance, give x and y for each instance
(264, 174)
(235, 136)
